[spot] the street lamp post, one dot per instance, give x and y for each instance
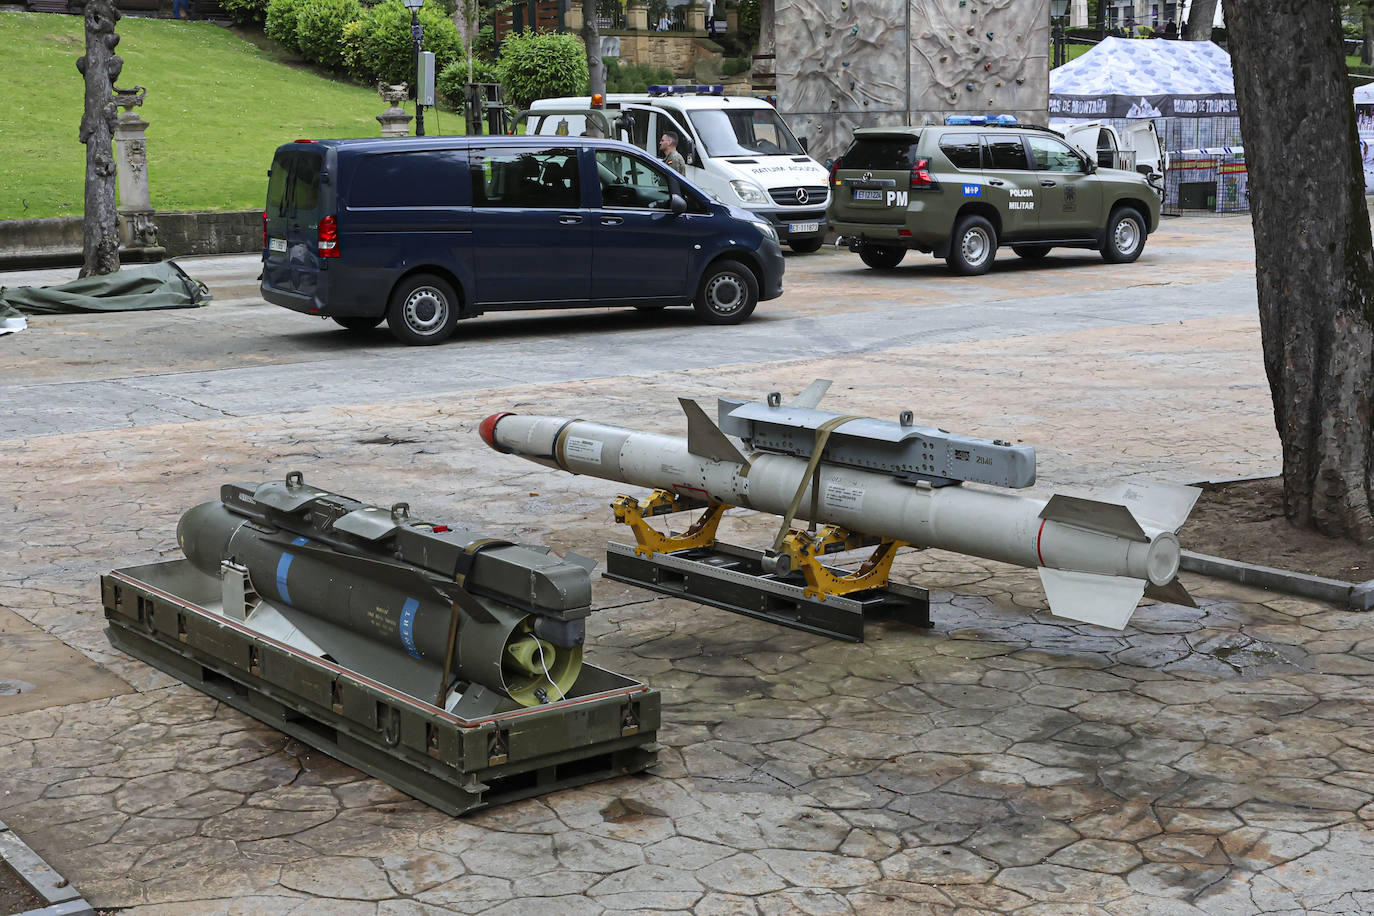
(417, 37)
(1058, 10)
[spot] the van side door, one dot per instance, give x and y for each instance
(291, 261)
(643, 250)
(1011, 185)
(532, 235)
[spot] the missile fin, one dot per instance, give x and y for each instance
(1094, 515)
(1160, 505)
(811, 397)
(704, 438)
(1173, 593)
(1107, 601)
(578, 559)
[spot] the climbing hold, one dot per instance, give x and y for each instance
(943, 59)
(854, 31)
(987, 66)
(1020, 81)
(970, 30)
(968, 86)
(989, 36)
(999, 84)
(844, 63)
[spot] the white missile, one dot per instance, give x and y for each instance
(1096, 557)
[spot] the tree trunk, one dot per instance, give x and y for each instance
(1367, 46)
(1201, 15)
(100, 67)
(1313, 265)
(596, 70)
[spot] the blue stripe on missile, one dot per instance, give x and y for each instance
(407, 626)
(284, 567)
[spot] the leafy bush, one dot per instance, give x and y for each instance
(634, 78)
(319, 29)
(484, 45)
(383, 45)
(749, 19)
(351, 47)
(734, 65)
(453, 78)
(537, 66)
(281, 22)
(245, 12)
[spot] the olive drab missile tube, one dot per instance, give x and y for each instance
(895, 481)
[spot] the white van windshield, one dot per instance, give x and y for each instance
(744, 132)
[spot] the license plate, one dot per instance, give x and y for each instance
(795, 228)
(865, 194)
(276, 244)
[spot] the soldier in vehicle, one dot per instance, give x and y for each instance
(667, 145)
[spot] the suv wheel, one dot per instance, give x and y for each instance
(728, 293)
(972, 246)
(423, 310)
(1031, 252)
(1125, 236)
(358, 323)
(881, 257)
(806, 246)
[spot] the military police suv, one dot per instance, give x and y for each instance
(961, 189)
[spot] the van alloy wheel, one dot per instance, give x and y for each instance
(423, 310)
(728, 293)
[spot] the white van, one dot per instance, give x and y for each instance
(1135, 147)
(737, 148)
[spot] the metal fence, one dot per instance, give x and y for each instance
(1207, 173)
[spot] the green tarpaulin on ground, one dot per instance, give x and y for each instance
(142, 286)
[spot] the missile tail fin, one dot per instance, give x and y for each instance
(1160, 505)
(1094, 515)
(704, 438)
(1107, 601)
(811, 397)
(1173, 593)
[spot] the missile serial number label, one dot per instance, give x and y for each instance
(583, 449)
(843, 496)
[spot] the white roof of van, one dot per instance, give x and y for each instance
(685, 100)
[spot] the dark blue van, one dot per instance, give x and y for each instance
(425, 231)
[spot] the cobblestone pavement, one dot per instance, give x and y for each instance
(1218, 760)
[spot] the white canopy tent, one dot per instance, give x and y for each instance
(1365, 94)
(1131, 78)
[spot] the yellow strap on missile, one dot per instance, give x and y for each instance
(812, 476)
(648, 540)
(805, 550)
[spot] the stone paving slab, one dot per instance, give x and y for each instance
(1210, 760)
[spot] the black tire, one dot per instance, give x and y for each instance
(1031, 252)
(728, 293)
(423, 310)
(881, 257)
(972, 246)
(357, 323)
(806, 246)
(1125, 236)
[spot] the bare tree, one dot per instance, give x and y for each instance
(596, 69)
(1201, 15)
(100, 66)
(1313, 264)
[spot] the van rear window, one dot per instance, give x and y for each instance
(881, 154)
(414, 178)
(294, 185)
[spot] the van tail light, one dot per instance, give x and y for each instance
(329, 237)
(835, 172)
(264, 230)
(920, 176)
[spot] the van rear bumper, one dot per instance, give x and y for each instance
(310, 305)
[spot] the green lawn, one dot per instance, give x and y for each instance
(217, 105)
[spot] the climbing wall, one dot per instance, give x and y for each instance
(843, 64)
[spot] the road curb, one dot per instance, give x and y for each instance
(1358, 596)
(62, 899)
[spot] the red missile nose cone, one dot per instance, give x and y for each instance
(487, 429)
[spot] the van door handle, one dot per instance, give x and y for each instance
(567, 219)
(996, 182)
(612, 220)
(1046, 183)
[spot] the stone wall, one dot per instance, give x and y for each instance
(843, 64)
(57, 242)
(679, 53)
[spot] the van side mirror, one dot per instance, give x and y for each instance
(677, 204)
(806, 147)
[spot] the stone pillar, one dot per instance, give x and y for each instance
(637, 16)
(1078, 14)
(137, 228)
(395, 120)
(696, 17)
(572, 18)
(732, 18)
